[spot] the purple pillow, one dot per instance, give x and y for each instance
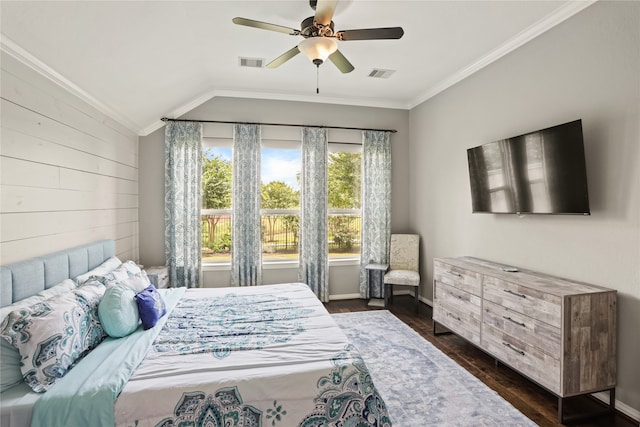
(150, 306)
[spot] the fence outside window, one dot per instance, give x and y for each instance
(280, 236)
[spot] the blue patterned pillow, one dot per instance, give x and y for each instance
(53, 334)
(150, 306)
(118, 311)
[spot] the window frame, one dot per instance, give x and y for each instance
(221, 136)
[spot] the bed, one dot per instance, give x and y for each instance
(258, 356)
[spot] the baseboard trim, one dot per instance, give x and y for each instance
(621, 407)
(400, 292)
(343, 296)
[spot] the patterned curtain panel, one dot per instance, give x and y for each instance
(376, 207)
(314, 246)
(182, 181)
(246, 245)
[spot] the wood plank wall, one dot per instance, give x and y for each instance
(68, 173)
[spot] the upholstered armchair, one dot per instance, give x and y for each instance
(403, 264)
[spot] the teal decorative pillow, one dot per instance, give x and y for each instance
(10, 374)
(118, 311)
(53, 334)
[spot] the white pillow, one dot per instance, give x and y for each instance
(123, 272)
(104, 268)
(62, 287)
(10, 374)
(54, 333)
(138, 282)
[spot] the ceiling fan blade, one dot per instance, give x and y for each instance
(371, 34)
(341, 62)
(283, 58)
(265, 26)
(324, 11)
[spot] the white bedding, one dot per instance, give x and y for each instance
(268, 355)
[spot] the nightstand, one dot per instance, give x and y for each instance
(380, 269)
(159, 276)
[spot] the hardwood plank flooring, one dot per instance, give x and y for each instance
(533, 401)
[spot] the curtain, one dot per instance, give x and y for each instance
(246, 244)
(182, 180)
(376, 207)
(314, 246)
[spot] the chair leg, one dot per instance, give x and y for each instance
(417, 300)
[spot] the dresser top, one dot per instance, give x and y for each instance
(544, 282)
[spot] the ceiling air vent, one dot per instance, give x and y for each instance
(381, 74)
(251, 62)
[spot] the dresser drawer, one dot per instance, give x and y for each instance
(527, 359)
(522, 299)
(538, 334)
(469, 281)
(457, 310)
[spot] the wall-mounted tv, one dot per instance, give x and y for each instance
(541, 172)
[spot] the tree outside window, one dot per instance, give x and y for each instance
(280, 200)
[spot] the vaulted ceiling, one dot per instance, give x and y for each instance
(138, 61)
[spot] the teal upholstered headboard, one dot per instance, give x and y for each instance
(25, 278)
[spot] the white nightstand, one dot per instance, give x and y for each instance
(159, 276)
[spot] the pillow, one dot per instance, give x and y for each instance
(150, 306)
(118, 311)
(62, 287)
(10, 374)
(54, 334)
(138, 282)
(104, 268)
(123, 272)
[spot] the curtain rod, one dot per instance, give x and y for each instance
(166, 119)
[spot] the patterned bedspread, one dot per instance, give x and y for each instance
(259, 356)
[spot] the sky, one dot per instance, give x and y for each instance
(275, 164)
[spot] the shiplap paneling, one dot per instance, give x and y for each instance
(69, 174)
(29, 95)
(46, 141)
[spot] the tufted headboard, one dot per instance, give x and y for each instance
(25, 278)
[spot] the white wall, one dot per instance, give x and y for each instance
(343, 280)
(69, 174)
(588, 68)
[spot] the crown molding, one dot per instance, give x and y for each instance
(17, 52)
(558, 16)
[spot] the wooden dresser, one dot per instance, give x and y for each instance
(557, 332)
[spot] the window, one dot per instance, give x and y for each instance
(216, 204)
(344, 182)
(280, 213)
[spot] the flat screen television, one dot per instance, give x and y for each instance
(541, 172)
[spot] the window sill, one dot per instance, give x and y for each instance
(276, 265)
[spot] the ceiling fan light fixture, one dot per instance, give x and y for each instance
(318, 49)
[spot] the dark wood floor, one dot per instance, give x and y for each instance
(530, 399)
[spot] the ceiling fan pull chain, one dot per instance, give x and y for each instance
(317, 80)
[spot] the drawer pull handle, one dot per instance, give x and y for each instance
(454, 273)
(509, 291)
(514, 321)
(455, 317)
(520, 352)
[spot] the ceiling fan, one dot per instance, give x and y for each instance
(319, 36)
